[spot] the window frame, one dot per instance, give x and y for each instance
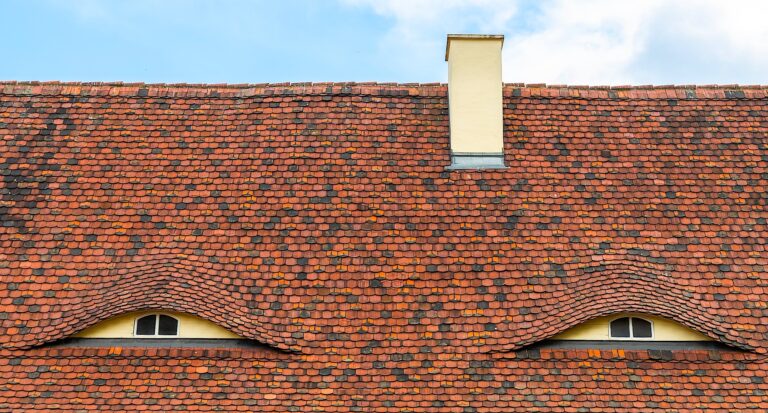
(157, 326)
(631, 330)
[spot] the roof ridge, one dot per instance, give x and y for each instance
(139, 89)
(218, 90)
(634, 87)
(373, 83)
(641, 92)
(212, 85)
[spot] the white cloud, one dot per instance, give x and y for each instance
(586, 42)
(420, 15)
(416, 40)
(732, 29)
(591, 41)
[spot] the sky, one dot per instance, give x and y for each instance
(577, 42)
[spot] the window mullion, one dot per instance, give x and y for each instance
(631, 331)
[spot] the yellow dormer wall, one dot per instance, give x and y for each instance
(663, 330)
(123, 327)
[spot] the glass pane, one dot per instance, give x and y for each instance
(620, 328)
(169, 326)
(145, 326)
(641, 328)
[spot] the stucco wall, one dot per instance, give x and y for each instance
(663, 330)
(475, 95)
(123, 327)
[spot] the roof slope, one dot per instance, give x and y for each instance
(320, 219)
(79, 380)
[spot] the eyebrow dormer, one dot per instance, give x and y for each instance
(620, 329)
(163, 329)
(156, 324)
(475, 101)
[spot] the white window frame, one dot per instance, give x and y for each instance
(631, 330)
(157, 326)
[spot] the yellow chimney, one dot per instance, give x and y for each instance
(475, 101)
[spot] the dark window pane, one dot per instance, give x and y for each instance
(620, 327)
(641, 328)
(145, 326)
(169, 326)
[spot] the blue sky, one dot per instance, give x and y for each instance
(255, 41)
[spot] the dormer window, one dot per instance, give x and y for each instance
(158, 328)
(627, 328)
(156, 325)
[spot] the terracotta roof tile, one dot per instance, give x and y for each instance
(229, 380)
(319, 219)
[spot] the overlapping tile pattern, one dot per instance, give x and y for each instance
(319, 219)
(77, 380)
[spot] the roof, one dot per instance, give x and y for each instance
(77, 380)
(320, 220)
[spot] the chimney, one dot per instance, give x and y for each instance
(475, 101)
